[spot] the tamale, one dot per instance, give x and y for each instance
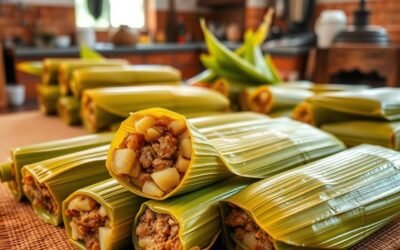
(50, 69)
(66, 69)
(192, 220)
(47, 98)
(47, 183)
(378, 104)
(102, 107)
(354, 133)
(112, 209)
(68, 109)
(127, 76)
(157, 153)
(319, 88)
(332, 203)
(303, 112)
(267, 99)
(21, 156)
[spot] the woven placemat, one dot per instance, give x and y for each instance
(21, 229)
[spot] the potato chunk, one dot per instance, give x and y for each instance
(166, 179)
(151, 188)
(104, 237)
(82, 203)
(182, 164)
(124, 160)
(74, 230)
(186, 147)
(144, 124)
(177, 127)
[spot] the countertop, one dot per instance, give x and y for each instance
(105, 48)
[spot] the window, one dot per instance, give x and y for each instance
(115, 13)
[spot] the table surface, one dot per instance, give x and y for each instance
(21, 229)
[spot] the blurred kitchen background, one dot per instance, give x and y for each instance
(168, 32)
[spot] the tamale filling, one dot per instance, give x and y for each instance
(89, 112)
(155, 156)
(87, 219)
(39, 194)
(261, 101)
(158, 231)
(246, 231)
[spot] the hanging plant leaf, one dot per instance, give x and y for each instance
(95, 8)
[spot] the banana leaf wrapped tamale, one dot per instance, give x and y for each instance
(100, 216)
(378, 104)
(102, 107)
(127, 76)
(47, 183)
(319, 88)
(50, 69)
(157, 153)
(354, 133)
(66, 69)
(68, 109)
(190, 221)
(47, 98)
(332, 203)
(21, 156)
(267, 99)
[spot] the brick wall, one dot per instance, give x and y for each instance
(384, 13)
(20, 21)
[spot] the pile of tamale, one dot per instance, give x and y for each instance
(356, 117)
(193, 177)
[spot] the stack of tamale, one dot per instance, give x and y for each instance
(49, 89)
(178, 183)
(368, 116)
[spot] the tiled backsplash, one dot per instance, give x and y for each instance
(21, 21)
(384, 13)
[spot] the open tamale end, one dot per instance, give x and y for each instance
(47, 183)
(68, 109)
(192, 219)
(157, 153)
(47, 98)
(332, 203)
(21, 156)
(106, 210)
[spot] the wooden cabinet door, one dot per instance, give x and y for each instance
(3, 96)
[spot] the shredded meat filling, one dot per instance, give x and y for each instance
(88, 224)
(155, 156)
(39, 194)
(158, 231)
(247, 231)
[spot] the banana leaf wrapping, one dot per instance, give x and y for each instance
(205, 167)
(66, 69)
(102, 107)
(50, 69)
(121, 207)
(47, 98)
(61, 176)
(21, 156)
(262, 148)
(320, 88)
(332, 203)
(267, 99)
(196, 213)
(68, 109)
(378, 104)
(253, 148)
(127, 76)
(353, 133)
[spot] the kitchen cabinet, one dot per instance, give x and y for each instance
(3, 96)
